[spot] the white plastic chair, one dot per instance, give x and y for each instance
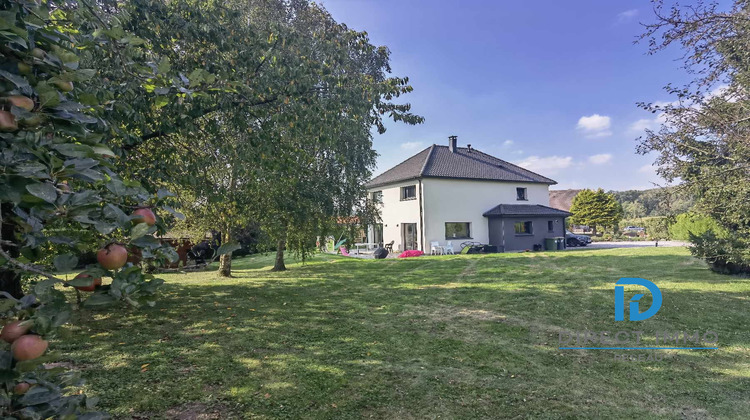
(449, 248)
(435, 248)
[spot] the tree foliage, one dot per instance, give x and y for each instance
(59, 185)
(664, 201)
(703, 141)
(274, 128)
(595, 208)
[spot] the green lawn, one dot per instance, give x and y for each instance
(450, 337)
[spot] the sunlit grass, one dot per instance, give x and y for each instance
(451, 337)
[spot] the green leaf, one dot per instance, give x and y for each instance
(45, 191)
(161, 101)
(74, 150)
(164, 66)
(146, 242)
(105, 228)
(20, 82)
(65, 262)
(81, 282)
(117, 187)
(228, 248)
(162, 194)
(39, 394)
(83, 75)
(103, 150)
(139, 230)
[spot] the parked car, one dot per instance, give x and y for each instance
(572, 239)
(634, 229)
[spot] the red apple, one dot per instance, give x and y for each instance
(21, 102)
(13, 330)
(21, 388)
(112, 257)
(8, 121)
(28, 347)
(145, 216)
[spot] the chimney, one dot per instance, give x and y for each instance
(468, 148)
(452, 143)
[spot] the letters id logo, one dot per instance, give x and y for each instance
(635, 314)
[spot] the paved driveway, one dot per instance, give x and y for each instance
(630, 244)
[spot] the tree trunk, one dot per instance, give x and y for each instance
(225, 261)
(10, 281)
(279, 264)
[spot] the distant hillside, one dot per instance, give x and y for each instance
(635, 203)
(562, 199)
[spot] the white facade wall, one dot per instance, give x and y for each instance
(460, 200)
(450, 200)
(394, 212)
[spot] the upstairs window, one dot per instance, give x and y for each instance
(409, 193)
(524, 228)
(377, 196)
(457, 230)
(521, 194)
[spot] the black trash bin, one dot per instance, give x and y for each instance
(380, 253)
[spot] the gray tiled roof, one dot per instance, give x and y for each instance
(439, 162)
(524, 210)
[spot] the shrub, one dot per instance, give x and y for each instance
(726, 253)
(692, 223)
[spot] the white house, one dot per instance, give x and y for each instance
(459, 194)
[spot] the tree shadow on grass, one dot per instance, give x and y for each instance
(455, 337)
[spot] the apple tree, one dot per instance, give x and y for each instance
(59, 184)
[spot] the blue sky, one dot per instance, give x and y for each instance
(550, 85)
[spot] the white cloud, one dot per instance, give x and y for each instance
(595, 125)
(508, 143)
(648, 123)
(600, 159)
(549, 165)
(412, 145)
(627, 15)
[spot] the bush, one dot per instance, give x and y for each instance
(692, 223)
(726, 253)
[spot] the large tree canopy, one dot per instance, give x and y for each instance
(704, 139)
(273, 115)
(595, 208)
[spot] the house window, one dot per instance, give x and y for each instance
(551, 226)
(377, 196)
(521, 194)
(457, 230)
(409, 193)
(524, 228)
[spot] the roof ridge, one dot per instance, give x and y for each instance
(426, 160)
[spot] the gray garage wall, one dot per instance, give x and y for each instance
(515, 242)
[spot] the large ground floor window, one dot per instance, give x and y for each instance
(457, 230)
(524, 228)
